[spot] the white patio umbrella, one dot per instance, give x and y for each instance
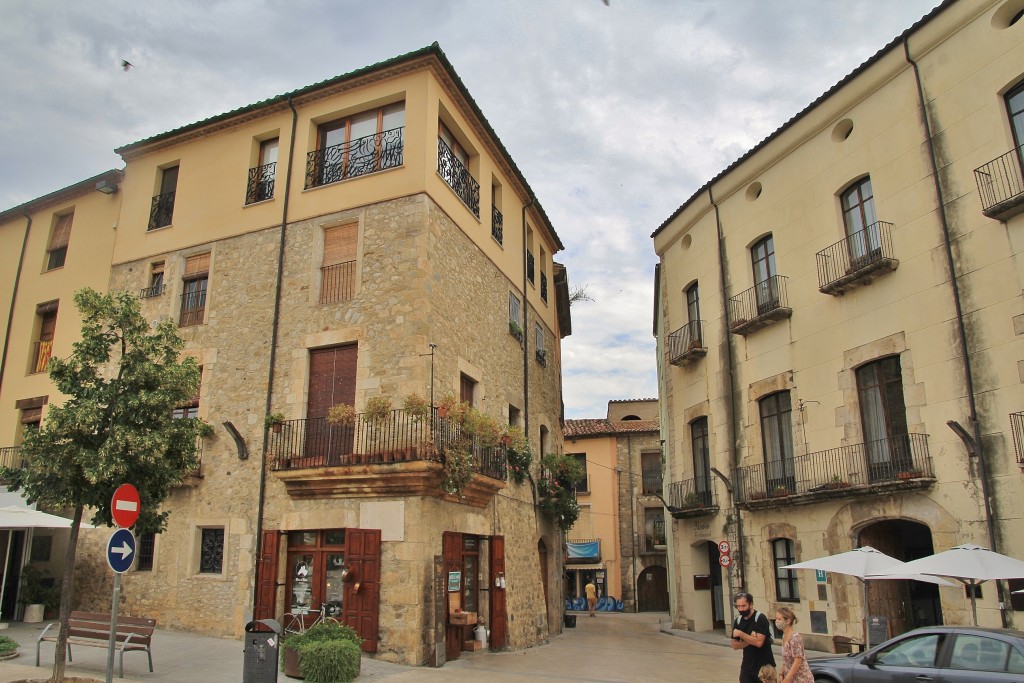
(971, 565)
(867, 564)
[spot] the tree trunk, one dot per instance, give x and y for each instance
(60, 651)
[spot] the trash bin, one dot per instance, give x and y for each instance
(262, 642)
(569, 620)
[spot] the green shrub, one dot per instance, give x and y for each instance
(325, 631)
(329, 661)
(7, 646)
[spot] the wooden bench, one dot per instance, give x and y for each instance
(93, 629)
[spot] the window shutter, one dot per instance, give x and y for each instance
(62, 232)
(340, 244)
(197, 265)
(31, 415)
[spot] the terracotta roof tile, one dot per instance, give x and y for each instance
(575, 429)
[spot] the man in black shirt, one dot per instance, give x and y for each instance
(751, 634)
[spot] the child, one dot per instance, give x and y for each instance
(767, 674)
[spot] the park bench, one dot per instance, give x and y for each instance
(93, 629)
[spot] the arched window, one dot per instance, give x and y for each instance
(786, 589)
(777, 439)
(859, 220)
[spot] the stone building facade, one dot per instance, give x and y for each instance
(413, 260)
(828, 307)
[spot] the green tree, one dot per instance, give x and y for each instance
(123, 380)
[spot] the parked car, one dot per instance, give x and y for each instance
(946, 654)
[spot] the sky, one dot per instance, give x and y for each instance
(615, 113)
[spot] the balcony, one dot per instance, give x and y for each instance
(760, 306)
(161, 211)
(368, 154)
(692, 498)
(544, 286)
(1001, 186)
(261, 183)
(41, 356)
(1017, 427)
(651, 483)
(400, 456)
(885, 466)
(497, 225)
(856, 260)
(152, 292)
(338, 282)
(654, 542)
(686, 344)
(458, 177)
(583, 550)
(193, 307)
(10, 456)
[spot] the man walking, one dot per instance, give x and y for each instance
(591, 596)
(751, 633)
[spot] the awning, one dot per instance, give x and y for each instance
(583, 550)
(18, 517)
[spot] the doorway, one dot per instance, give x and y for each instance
(717, 592)
(906, 604)
(652, 590)
(316, 559)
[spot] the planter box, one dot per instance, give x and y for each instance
(33, 614)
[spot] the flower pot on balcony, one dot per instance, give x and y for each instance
(276, 427)
(908, 474)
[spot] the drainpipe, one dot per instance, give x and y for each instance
(961, 332)
(526, 337)
(731, 412)
(632, 519)
(273, 339)
(14, 297)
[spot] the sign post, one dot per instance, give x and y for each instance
(725, 560)
(125, 506)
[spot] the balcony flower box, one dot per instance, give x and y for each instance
(908, 474)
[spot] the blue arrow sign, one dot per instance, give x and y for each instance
(121, 550)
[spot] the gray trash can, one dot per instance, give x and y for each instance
(262, 642)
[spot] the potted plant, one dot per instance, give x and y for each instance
(837, 482)
(8, 648)
(459, 465)
(542, 356)
(691, 500)
(274, 422)
(341, 414)
(518, 454)
(556, 491)
(324, 652)
(38, 594)
(417, 407)
(515, 330)
(780, 491)
(908, 474)
(449, 406)
(378, 410)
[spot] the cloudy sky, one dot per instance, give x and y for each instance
(615, 114)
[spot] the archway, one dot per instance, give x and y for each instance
(906, 604)
(718, 597)
(652, 590)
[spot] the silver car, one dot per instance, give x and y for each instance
(943, 654)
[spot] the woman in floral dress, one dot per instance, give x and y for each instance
(794, 667)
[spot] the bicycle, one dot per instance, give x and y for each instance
(296, 623)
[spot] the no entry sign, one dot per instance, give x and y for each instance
(125, 505)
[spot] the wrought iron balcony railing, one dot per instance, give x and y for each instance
(1001, 185)
(41, 355)
(151, 292)
(529, 266)
(338, 282)
(193, 307)
(261, 183)
(315, 442)
(497, 223)
(458, 177)
(693, 497)
(355, 158)
(654, 542)
(161, 211)
(544, 286)
(1017, 427)
(652, 483)
(761, 305)
(687, 343)
(857, 259)
(847, 470)
(10, 456)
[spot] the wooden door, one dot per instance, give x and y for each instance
(332, 380)
(499, 610)
(361, 608)
(452, 550)
(652, 590)
(266, 577)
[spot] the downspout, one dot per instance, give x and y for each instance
(961, 332)
(273, 340)
(632, 520)
(526, 337)
(731, 412)
(14, 298)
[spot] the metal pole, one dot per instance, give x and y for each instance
(112, 643)
(7, 559)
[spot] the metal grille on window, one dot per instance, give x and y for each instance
(211, 552)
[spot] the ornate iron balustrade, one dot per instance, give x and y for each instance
(42, 354)
(355, 158)
(838, 471)
(497, 224)
(193, 307)
(851, 261)
(56, 258)
(687, 343)
(151, 292)
(651, 483)
(458, 177)
(338, 282)
(544, 286)
(692, 497)
(315, 442)
(761, 305)
(529, 266)
(655, 541)
(1001, 185)
(161, 211)
(261, 183)
(1017, 427)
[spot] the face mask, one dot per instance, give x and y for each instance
(779, 624)
(745, 613)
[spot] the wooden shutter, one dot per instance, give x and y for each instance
(169, 180)
(197, 265)
(499, 610)
(266, 577)
(62, 231)
(332, 378)
(361, 608)
(452, 550)
(30, 416)
(466, 386)
(340, 244)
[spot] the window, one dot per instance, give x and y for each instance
(467, 388)
(862, 230)
(654, 529)
(190, 409)
(470, 572)
(1016, 587)
(513, 415)
(701, 461)
(147, 546)
(453, 166)
(979, 653)
(530, 267)
(584, 484)
(515, 327)
(338, 272)
(316, 560)
(356, 145)
(693, 315)
(884, 418)
(193, 296)
(261, 178)
(156, 281)
(59, 238)
(543, 276)
(785, 579)
(497, 222)
(1015, 110)
(766, 290)
(914, 651)
(162, 209)
(777, 439)
(650, 466)
(538, 340)
(211, 551)
(46, 320)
